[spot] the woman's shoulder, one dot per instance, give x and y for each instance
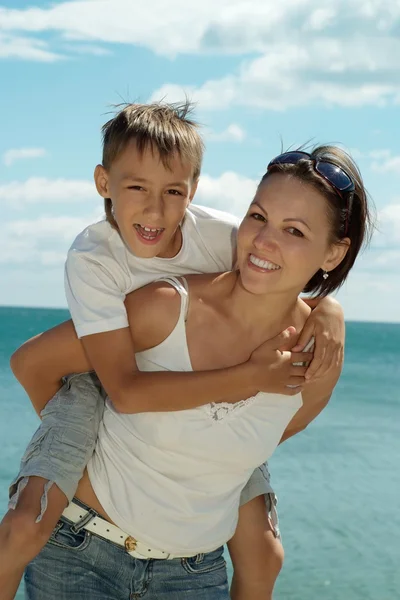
(153, 312)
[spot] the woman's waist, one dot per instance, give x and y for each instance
(86, 494)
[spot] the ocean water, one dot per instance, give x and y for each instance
(338, 482)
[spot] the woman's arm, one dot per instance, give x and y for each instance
(316, 396)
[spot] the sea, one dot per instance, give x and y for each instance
(338, 482)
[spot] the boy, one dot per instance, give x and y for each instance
(152, 158)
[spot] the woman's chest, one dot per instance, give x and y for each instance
(215, 342)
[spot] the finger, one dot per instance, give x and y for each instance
(305, 337)
(294, 381)
(298, 358)
(317, 361)
(327, 362)
(284, 340)
(298, 371)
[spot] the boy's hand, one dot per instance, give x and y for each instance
(326, 325)
(273, 365)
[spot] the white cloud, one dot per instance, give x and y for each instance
(16, 46)
(344, 53)
(380, 154)
(233, 133)
(368, 296)
(40, 241)
(335, 72)
(387, 164)
(388, 234)
(14, 154)
(230, 192)
(40, 190)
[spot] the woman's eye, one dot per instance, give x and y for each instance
(257, 217)
(294, 231)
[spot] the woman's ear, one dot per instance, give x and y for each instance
(336, 254)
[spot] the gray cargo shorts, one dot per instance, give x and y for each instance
(64, 442)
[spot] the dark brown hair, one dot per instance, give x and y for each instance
(349, 217)
(165, 128)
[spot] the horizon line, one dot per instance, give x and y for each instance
(64, 308)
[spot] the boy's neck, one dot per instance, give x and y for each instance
(174, 246)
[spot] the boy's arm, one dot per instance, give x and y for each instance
(40, 363)
(326, 325)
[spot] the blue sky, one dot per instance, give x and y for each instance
(262, 73)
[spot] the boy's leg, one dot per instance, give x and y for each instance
(256, 549)
(50, 472)
(21, 537)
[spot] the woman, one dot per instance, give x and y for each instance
(163, 485)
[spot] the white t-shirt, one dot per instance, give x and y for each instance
(173, 479)
(100, 270)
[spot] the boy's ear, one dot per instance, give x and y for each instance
(193, 189)
(101, 181)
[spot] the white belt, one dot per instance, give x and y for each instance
(108, 531)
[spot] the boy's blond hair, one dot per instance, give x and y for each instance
(166, 128)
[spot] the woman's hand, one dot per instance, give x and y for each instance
(326, 325)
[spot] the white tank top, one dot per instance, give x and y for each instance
(173, 479)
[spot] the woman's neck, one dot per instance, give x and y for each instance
(265, 314)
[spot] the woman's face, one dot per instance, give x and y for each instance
(285, 238)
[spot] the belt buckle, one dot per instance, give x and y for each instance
(130, 544)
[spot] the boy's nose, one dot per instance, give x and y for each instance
(154, 205)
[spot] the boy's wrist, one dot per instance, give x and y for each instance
(249, 373)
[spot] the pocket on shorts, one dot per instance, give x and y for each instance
(64, 537)
(69, 443)
(205, 563)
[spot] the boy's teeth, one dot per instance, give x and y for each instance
(263, 264)
(149, 233)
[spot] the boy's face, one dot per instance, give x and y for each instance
(149, 200)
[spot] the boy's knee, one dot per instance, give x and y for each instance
(24, 533)
(275, 553)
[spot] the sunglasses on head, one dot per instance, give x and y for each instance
(337, 178)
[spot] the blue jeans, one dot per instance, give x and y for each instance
(77, 565)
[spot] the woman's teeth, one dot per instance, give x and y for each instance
(263, 264)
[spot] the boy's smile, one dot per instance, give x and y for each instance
(149, 235)
(149, 199)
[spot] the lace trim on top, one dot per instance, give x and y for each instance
(223, 410)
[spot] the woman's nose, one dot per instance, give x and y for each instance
(265, 239)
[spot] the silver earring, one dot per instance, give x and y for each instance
(325, 275)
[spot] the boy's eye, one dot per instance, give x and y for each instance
(294, 231)
(175, 192)
(135, 187)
